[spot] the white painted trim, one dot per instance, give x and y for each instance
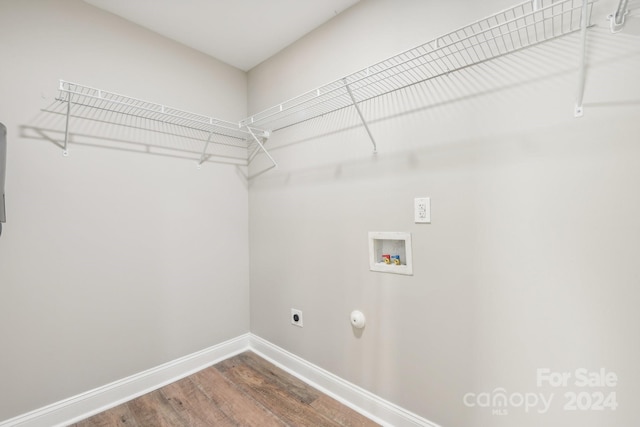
(357, 398)
(84, 405)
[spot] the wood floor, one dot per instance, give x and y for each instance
(244, 390)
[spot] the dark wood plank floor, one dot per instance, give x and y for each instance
(244, 390)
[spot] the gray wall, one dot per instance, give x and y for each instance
(111, 262)
(531, 259)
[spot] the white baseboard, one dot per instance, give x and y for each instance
(84, 405)
(102, 398)
(368, 404)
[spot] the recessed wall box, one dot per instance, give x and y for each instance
(390, 252)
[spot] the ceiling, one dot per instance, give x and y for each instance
(242, 33)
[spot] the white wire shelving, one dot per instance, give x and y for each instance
(527, 24)
(78, 101)
(524, 25)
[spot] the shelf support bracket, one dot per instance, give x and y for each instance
(253, 154)
(65, 152)
(616, 19)
(261, 147)
(204, 150)
(364, 122)
(579, 110)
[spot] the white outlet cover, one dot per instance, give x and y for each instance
(422, 210)
(299, 313)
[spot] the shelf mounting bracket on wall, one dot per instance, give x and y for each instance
(260, 147)
(584, 18)
(617, 19)
(364, 122)
(65, 152)
(203, 156)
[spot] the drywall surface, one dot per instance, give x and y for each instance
(527, 273)
(113, 260)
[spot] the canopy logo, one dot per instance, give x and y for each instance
(500, 401)
(593, 393)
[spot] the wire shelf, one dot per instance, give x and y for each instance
(524, 25)
(83, 102)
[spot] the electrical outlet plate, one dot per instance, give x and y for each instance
(422, 210)
(294, 313)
